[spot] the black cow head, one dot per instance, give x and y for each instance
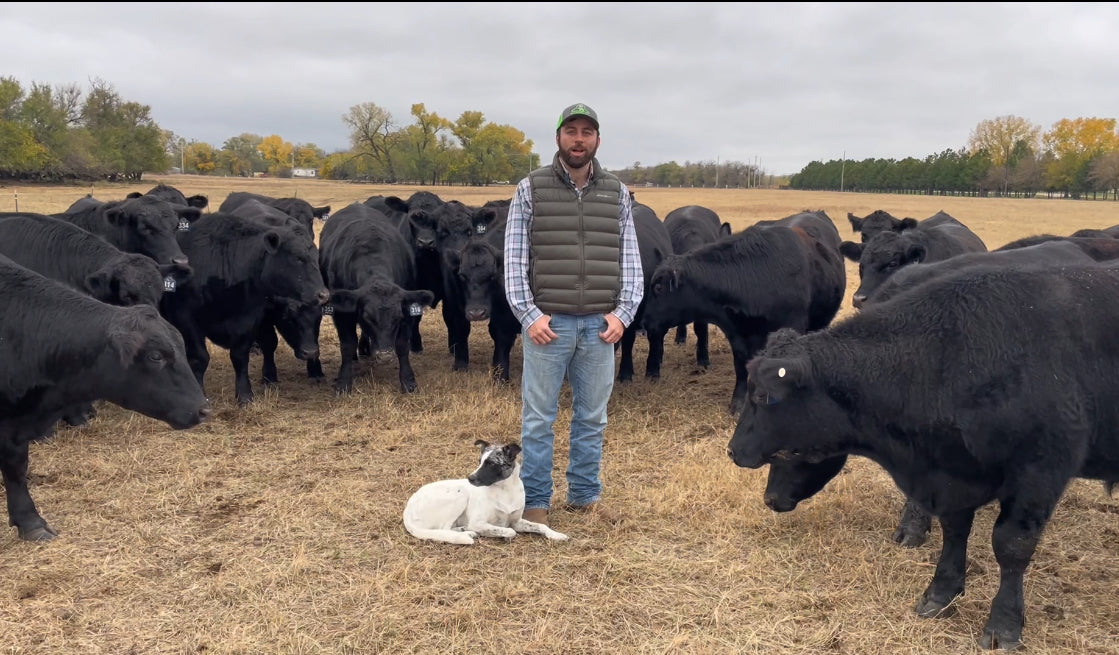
(880, 258)
(788, 416)
(130, 279)
(291, 268)
(148, 225)
(385, 311)
(480, 271)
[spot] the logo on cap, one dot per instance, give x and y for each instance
(578, 109)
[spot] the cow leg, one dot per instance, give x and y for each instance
(702, 357)
(402, 345)
(239, 357)
(458, 336)
(656, 355)
(681, 334)
(314, 364)
(1022, 518)
(948, 580)
(268, 342)
(346, 326)
(913, 525)
(417, 338)
(625, 367)
(364, 345)
(503, 340)
(21, 509)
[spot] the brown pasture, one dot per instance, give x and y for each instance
(277, 528)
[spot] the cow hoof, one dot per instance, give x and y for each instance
(930, 608)
(909, 538)
(993, 638)
(42, 532)
(245, 400)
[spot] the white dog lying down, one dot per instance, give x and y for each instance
(487, 503)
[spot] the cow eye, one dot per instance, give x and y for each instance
(155, 356)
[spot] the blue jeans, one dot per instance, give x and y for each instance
(580, 355)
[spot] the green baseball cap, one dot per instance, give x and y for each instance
(575, 111)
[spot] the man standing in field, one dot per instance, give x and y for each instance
(573, 279)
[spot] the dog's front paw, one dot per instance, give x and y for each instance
(557, 536)
(507, 533)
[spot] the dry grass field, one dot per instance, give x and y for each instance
(276, 528)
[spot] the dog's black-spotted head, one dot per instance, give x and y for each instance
(498, 463)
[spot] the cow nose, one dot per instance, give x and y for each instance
(308, 353)
(428, 244)
(204, 413)
(181, 261)
(476, 314)
(858, 300)
(323, 296)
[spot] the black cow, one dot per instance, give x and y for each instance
(240, 264)
(146, 225)
(887, 252)
(297, 208)
(173, 196)
(690, 227)
(882, 221)
(61, 348)
(1107, 232)
(655, 244)
(65, 252)
(790, 482)
(480, 268)
(749, 284)
(975, 400)
(816, 223)
(454, 225)
(297, 323)
(371, 275)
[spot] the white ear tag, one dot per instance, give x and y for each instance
(781, 372)
(415, 309)
(169, 284)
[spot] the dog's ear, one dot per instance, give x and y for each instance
(482, 443)
(512, 450)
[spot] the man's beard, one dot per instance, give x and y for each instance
(571, 161)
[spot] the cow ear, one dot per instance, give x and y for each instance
(851, 250)
(906, 224)
(116, 216)
(272, 241)
(191, 214)
(779, 376)
(856, 222)
(916, 253)
(98, 284)
(199, 201)
(134, 194)
(344, 300)
(725, 230)
(420, 297)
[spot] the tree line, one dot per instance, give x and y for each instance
(61, 133)
(1006, 156)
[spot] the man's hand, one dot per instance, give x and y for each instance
(541, 331)
(614, 329)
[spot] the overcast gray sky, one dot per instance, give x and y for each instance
(783, 84)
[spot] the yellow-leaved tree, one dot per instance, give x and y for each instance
(1004, 139)
(277, 152)
(1074, 144)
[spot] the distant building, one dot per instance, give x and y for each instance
(303, 172)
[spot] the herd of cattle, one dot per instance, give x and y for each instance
(969, 375)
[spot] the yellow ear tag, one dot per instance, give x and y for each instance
(781, 372)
